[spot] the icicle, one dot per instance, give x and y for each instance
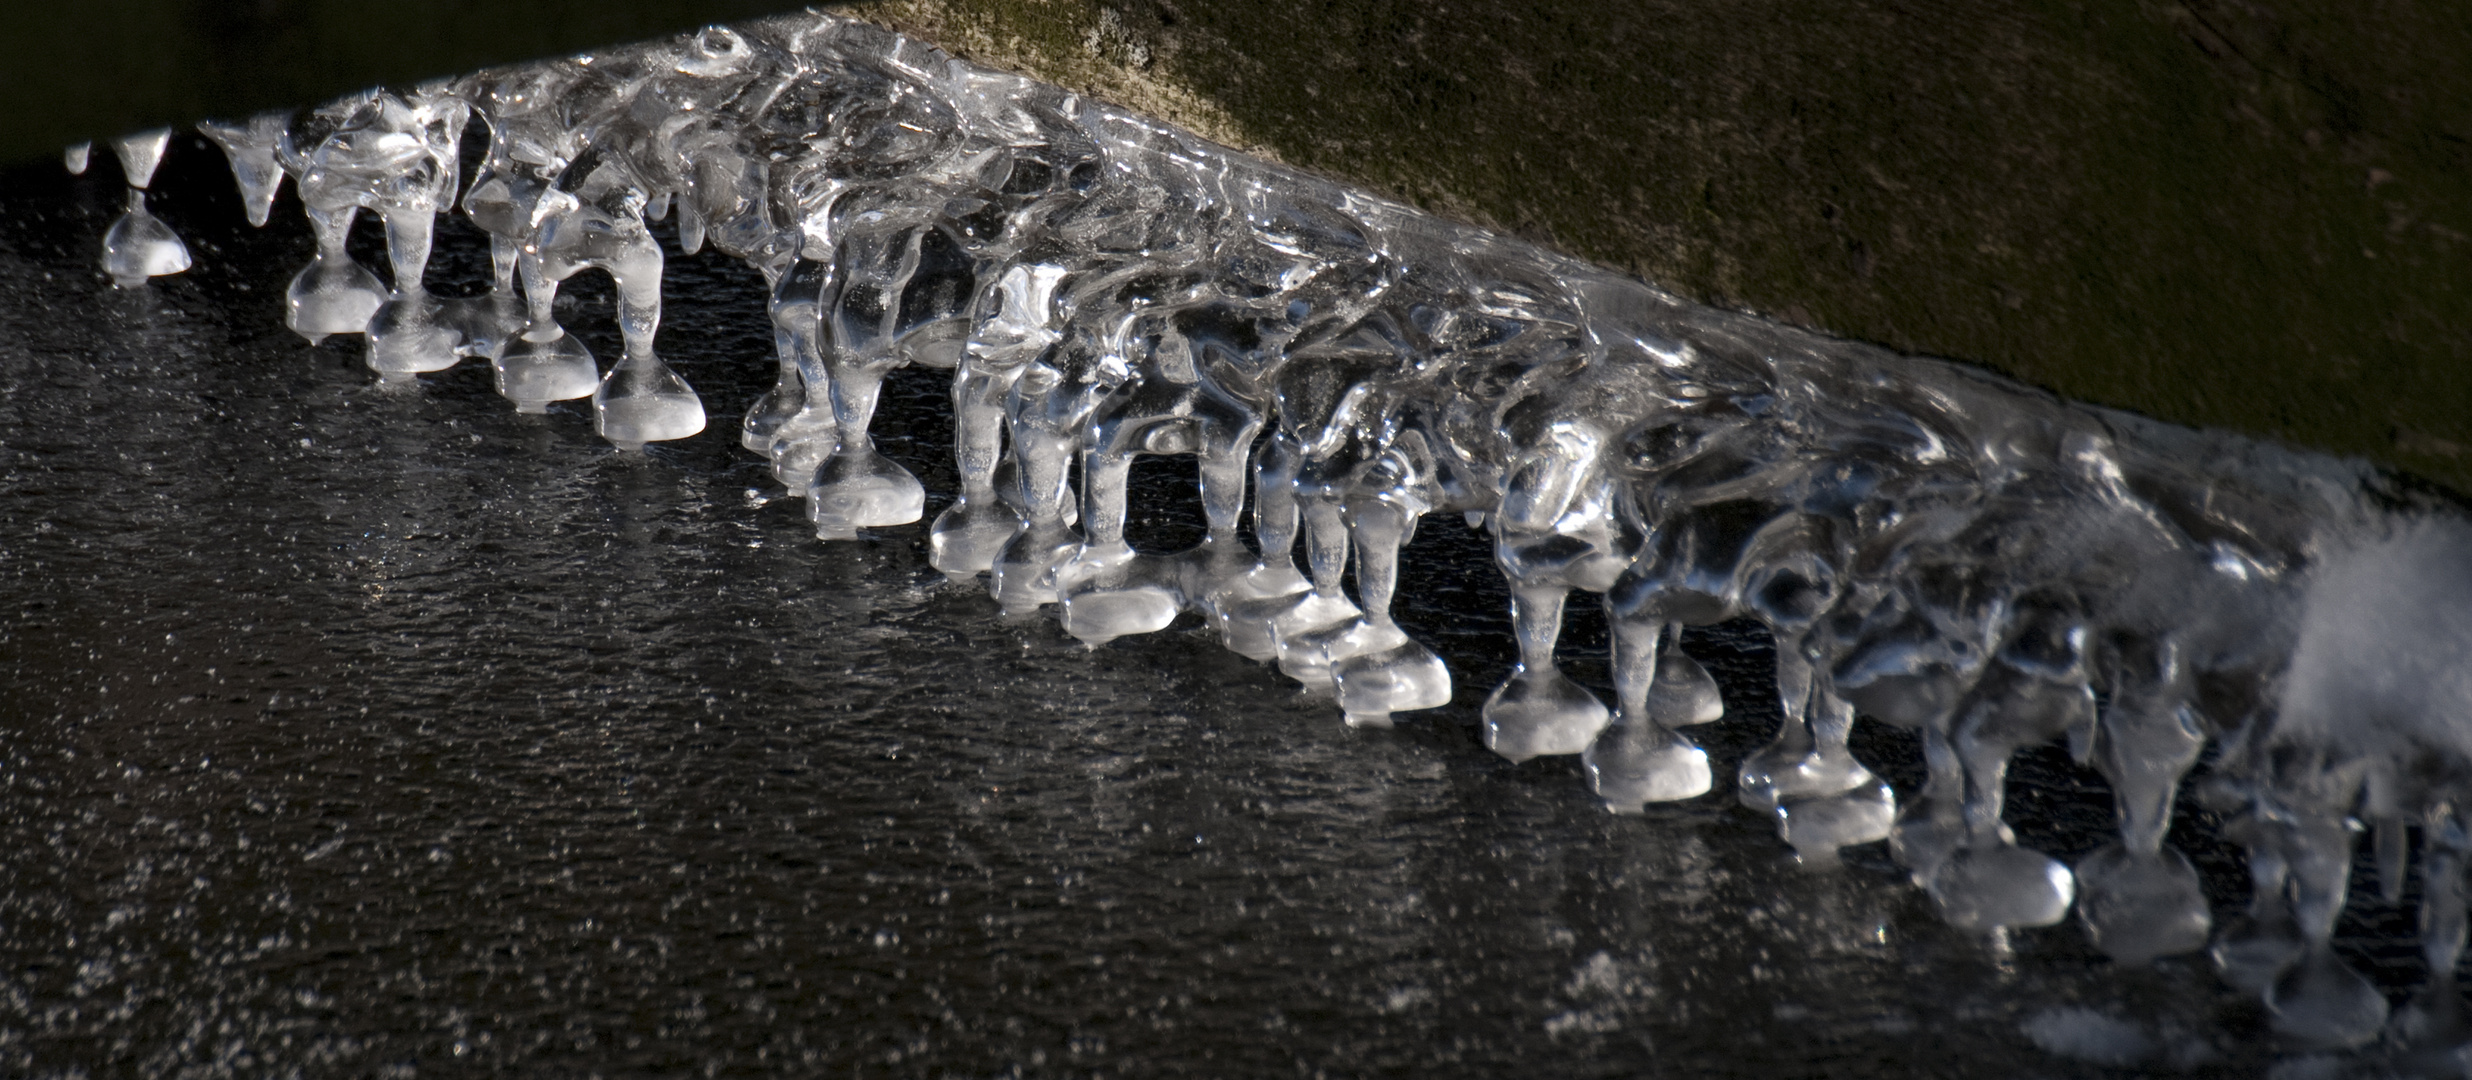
(1640, 759)
(2139, 898)
(1549, 536)
(1927, 546)
(139, 245)
(2433, 1026)
(250, 147)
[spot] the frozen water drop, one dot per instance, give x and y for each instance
(1631, 765)
(861, 489)
(532, 373)
(2138, 907)
(966, 537)
(1684, 694)
(1393, 674)
(642, 401)
(140, 246)
(1818, 825)
(1534, 714)
(1996, 885)
(2322, 1002)
(332, 296)
(410, 335)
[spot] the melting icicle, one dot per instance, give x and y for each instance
(251, 148)
(139, 245)
(1927, 546)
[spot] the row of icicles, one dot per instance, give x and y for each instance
(1902, 657)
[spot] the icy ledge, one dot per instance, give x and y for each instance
(1931, 547)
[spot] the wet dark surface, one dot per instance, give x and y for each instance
(356, 732)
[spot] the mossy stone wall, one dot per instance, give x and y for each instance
(2252, 214)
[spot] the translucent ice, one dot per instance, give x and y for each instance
(1927, 546)
(139, 245)
(250, 147)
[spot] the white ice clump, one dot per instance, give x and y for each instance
(2371, 725)
(1930, 546)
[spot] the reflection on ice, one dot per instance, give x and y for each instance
(1930, 547)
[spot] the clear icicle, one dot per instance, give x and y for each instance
(1927, 546)
(139, 245)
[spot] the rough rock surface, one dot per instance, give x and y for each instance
(2256, 215)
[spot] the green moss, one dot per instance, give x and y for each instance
(2254, 217)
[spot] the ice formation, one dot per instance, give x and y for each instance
(139, 245)
(1932, 547)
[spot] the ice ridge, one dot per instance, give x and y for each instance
(1931, 546)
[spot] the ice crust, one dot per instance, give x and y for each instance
(1931, 546)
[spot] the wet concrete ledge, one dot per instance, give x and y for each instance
(2249, 214)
